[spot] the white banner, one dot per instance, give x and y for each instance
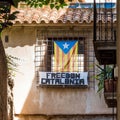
(63, 78)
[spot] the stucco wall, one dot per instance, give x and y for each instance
(32, 99)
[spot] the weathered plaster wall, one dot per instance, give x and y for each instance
(32, 99)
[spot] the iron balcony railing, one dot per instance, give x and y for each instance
(104, 23)
(104, 34)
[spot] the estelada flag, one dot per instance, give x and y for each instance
(65, 56)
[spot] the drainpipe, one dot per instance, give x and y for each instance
(118, 59)
(94, 22)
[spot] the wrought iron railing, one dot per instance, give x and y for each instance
(104, 23)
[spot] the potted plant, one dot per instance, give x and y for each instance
(105, 76)
(107, 82)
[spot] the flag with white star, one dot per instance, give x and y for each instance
(65, 53)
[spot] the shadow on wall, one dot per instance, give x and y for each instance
(43, 102)
(19, 36)
(33, 100)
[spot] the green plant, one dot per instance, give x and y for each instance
(11, 64)
(104, 73)
(11, 69)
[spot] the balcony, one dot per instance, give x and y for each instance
(104, 41)
(105, 34)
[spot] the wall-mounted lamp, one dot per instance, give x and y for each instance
(6, 38)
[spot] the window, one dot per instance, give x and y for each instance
(49, 59)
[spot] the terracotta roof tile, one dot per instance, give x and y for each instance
(47, 15)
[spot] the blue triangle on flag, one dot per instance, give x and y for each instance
(66, 45)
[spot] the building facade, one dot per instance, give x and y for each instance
(49, 84)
